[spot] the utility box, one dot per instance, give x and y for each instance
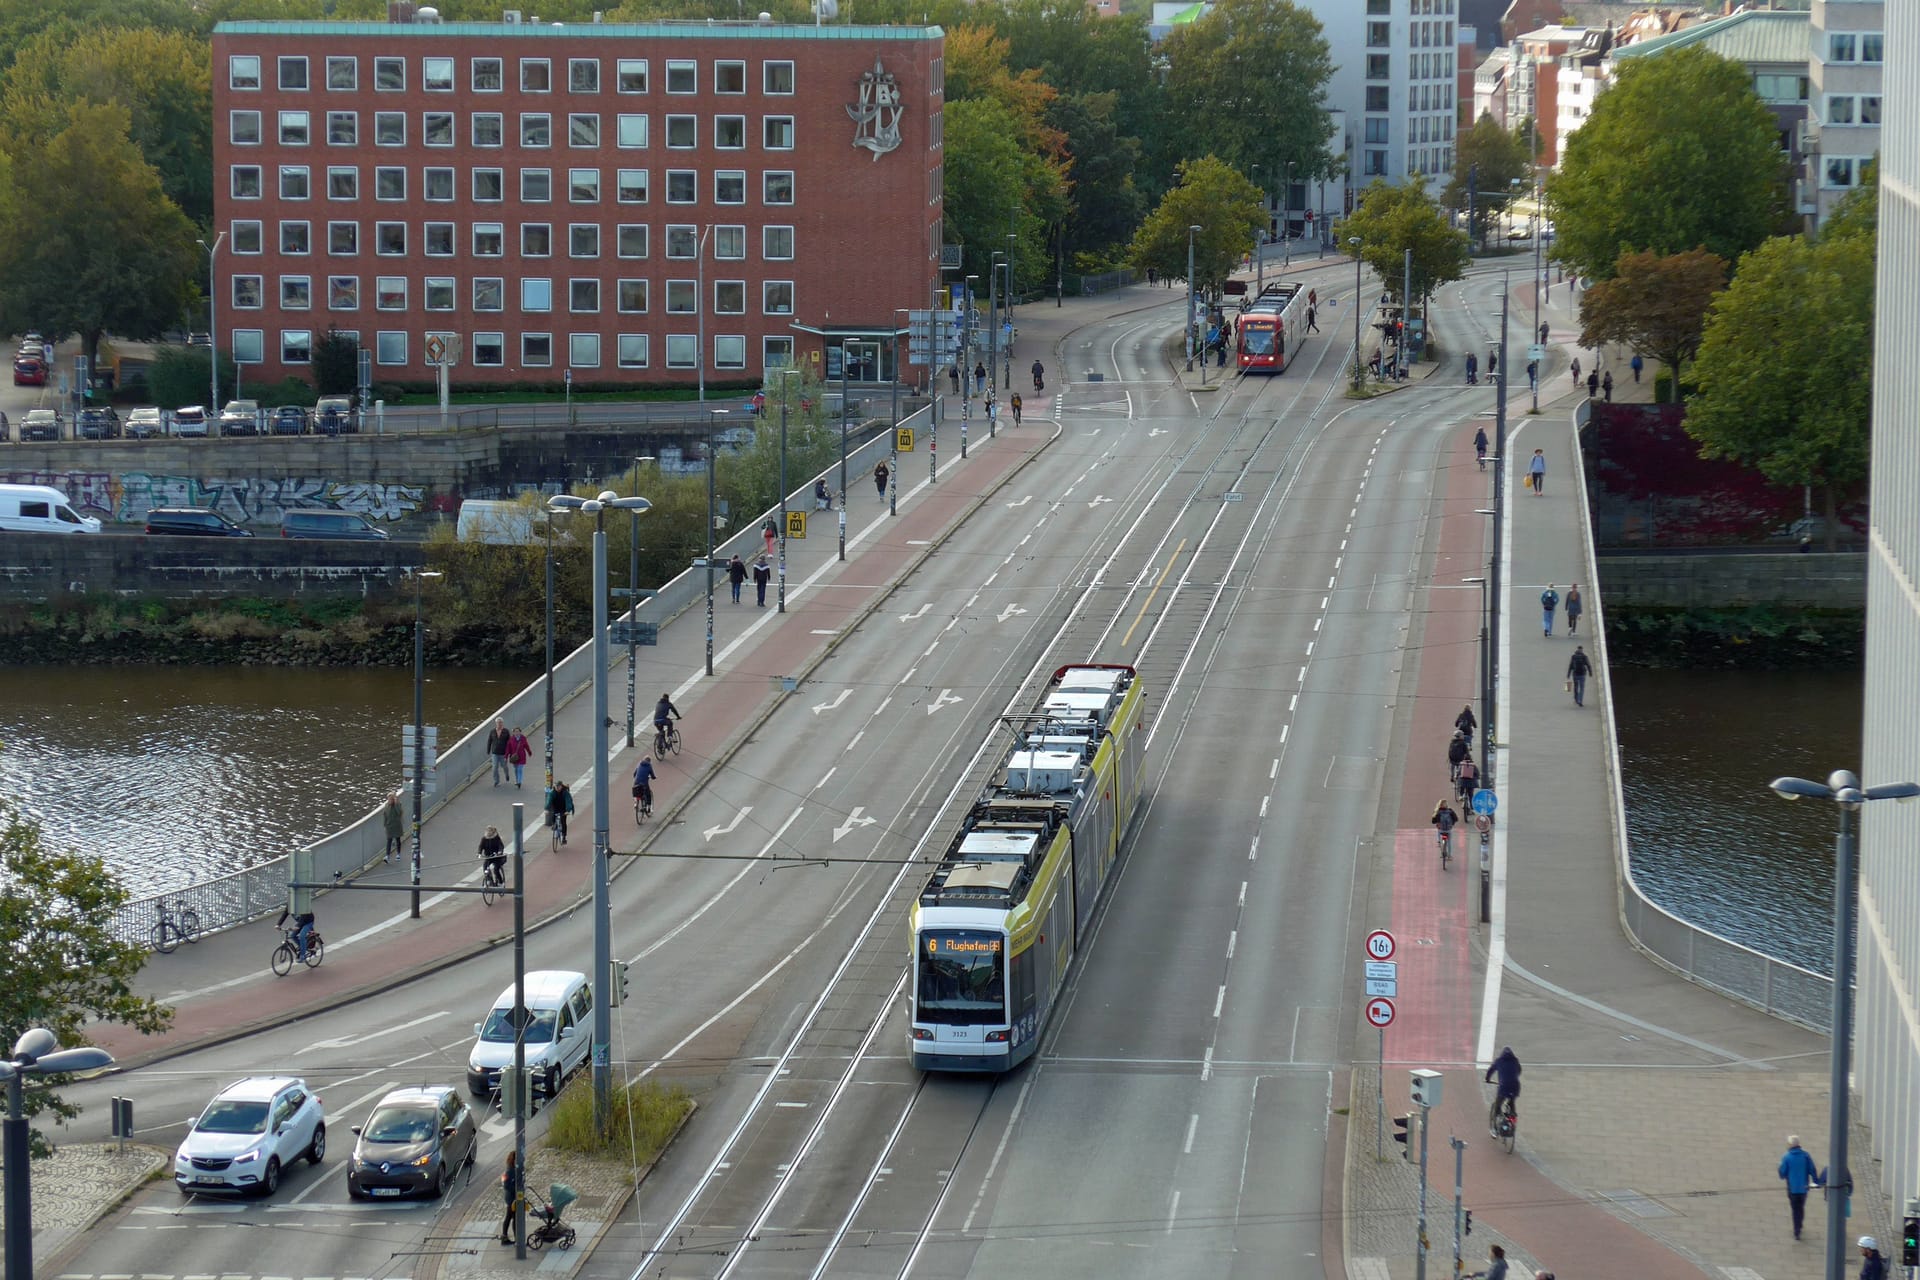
(1426, 1088)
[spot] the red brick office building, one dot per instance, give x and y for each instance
(644, 203)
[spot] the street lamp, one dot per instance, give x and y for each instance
(785, 373)
(633, 592)
(893, 412)
(1286, 223)
(846, 348)
(602, 923)
(35, 1053)
(1192, 231)
(213, 326)
(420, 580)
(993, 341)
(1260, 237)
(1486, 738)
(1353, 245)
(966, 354)
(713, 431)
(550, 514)
(1844, 789)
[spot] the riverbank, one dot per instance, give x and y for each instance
(1756, 638)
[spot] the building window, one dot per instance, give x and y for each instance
(343, 293)
(536, 240)
(683, 76)
(296, 293)
(1842, 46)
(536, 130)
(630, 238)
(488, 75)
(436, 128)
(437, 239)
(729, 77)
(296, 238)
(489, 185)
(489, 350)
(536, 75)
(343, 239)
(777, 133)
(583, 131)
(343, 73)
(246, 181)
(730, 187)
(777, 187)
(683, 351)
(293, 74)
(730, 133)
(390, 293)
(682, 186)
(1379, 35)
(777, 77)
(1379, 66)
(389, 75)
(683, 132)
(487, 129)
(249, 346)
(776, 244)
(489, 240)
(1839, 107)
(631, 296)
(437, 185)
(1375, 163)
(683, 242)
(489, 293)
(1871, 44)
(296, 346)
(632, 349)
(583, 240)
(583, 295)
(295, 182)
(249, 294)
(343, 128)
(683, 297)
(583, 186)
(583, 75)
(439, 293)
(729, 352)
(436, 75)
(536, 293)
(247, 237)
(1870, 108)
(389, 183)
(536, 350)
(730, 297)
(390, 347)
(632, 131)
(1842, 172)
(243, 71)
(243, 128)
(632, 186)
(389, 129)
(776, 297)
(583, 350)
(390, 239)
(730, 243)
(632, 75)
(1376, 129)
(776, 353)
(536, 185)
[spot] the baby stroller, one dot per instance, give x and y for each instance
(550, 1230)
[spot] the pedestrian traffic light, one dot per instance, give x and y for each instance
(1910, 1241)
(510, 1087)
(1401, 1133)
(618, 995)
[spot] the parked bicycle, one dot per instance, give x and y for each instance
(287, 954)
(175, 927)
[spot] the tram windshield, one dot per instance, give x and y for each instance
(962, 978)
(1256, 342)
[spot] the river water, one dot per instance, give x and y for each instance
(178, 774)
(1710, 842)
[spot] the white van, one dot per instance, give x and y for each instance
(502, 524)
(35, 508)
(559, 1032)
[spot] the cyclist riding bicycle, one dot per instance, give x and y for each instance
(662, 710)
(1457, 750)
(302, 929)
(1039, 376)
(1444, 819)
(1465, 723)
(493, 855)
(1507, 1068)
(643, 776)
(1469, 781)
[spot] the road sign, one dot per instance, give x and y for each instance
(436, 350)
(797, 524)
(1382, 987)
(1381, 970)
(432, 736)
(1537, 352)
(1380, 945)
(1485, 803)
(1380, 1012)
(632, 633)
(903, 439)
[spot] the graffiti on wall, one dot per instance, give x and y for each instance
(247, 500)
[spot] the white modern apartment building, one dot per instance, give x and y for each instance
(1843, 108)
(1887, 1025)
(1396, 77)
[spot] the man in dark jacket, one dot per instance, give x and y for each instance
(1506, 1068)
(1798, 1171)
(497, 748)
(736, 574)
(1578, 669)
(1457, 751)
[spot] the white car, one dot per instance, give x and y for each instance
(248, 1135)
(190, 420)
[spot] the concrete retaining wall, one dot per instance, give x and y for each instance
(1814, 580)
(34, 566)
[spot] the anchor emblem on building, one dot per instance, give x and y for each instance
(876, 118)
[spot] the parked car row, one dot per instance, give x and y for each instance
(37, 508)
(332, 415)
(33, 362)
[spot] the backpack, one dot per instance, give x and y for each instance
(1549, 599)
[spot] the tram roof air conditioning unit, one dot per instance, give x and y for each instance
(1041, 772)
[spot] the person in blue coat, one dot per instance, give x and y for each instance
(1800, 1173)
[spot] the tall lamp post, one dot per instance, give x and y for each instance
(420, 580)
(1844, 789)
(714, 418)
(1260, 237)
(1539, 225)
(36, 1053)
(550, 514)
(785, 373)
(213, 327)
(1192, 231)
(602, 922)
(633, 592)
(1353, 245)
(993, 340)
(1286, 222)
(846, 348)
(893, 412)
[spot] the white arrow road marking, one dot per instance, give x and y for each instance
(854, 819)
(909, 617)
(1022, 502)
(1098, 499)
(947, 696)
(1006, 613)
(818, 707)
(1157, 431)
(727, 830)
(341, 1042)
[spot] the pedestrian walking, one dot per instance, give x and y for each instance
(979, 376)
(1473, 366)
(519, 751)
(762, 574)
(953, 376)
(1312, 327)
(1015, 402)
(1635, 365)
(1575, 607)
(497, 748)
(1593, 383)
(1313, 297)
(880, 474)
(395, 824)
(1493, 364)
(1606, 385)
(1543, 333)
(1533, 374)
(1578, 669)
(1537, 472)
(770, 533)
(1797, 1171)
(1549, 601)
(736, 575)
(1496, 1268)
(1576, 373)
(1872, 1265)
(510, 1184)
(559, 808)
(1151, 277)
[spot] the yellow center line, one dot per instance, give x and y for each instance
(1159, 582)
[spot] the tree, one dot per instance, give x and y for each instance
(1223, 204)
(1680, 154)
(1104, 205)
(1654, 305)
(990, 178)
(336, 364)
(178, 376)
(90, 243)
(1501, 157)
(1393, 219)
(1857, 213)
(1785, 370)
(65, 967)
(1248, 83)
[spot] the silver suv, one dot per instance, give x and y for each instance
(251, 1131)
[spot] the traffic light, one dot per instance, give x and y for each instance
(1402, 1131)
(619, 983)
(1910, 1241)
(510, 1090)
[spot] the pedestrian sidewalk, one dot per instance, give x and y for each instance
(80, 1183)
(222, 987)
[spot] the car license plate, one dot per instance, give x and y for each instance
(383, 1191)
(209, 1182)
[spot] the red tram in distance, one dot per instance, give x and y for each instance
(1270, 329)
